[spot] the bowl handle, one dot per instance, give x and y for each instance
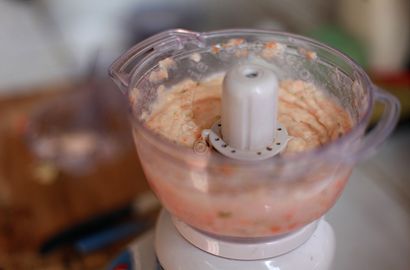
(121, 70)
(383, 128)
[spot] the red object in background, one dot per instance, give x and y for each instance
(401, 79)
(399, 85)
(122, 266)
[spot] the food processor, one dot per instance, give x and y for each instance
(234, 199)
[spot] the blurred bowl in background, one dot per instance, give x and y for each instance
(80, 129)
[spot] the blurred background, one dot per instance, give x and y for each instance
(68, 170)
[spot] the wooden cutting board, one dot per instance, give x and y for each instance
(31, 209)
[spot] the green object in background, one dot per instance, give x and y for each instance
(337, 38)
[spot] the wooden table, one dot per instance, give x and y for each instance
(31, 209)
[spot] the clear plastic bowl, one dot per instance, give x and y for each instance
(234, 198)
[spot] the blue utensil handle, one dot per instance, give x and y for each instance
(107, 237)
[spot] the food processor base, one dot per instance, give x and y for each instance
(176, 253)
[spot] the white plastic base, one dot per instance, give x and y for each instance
(244, 249)
(176, 253)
